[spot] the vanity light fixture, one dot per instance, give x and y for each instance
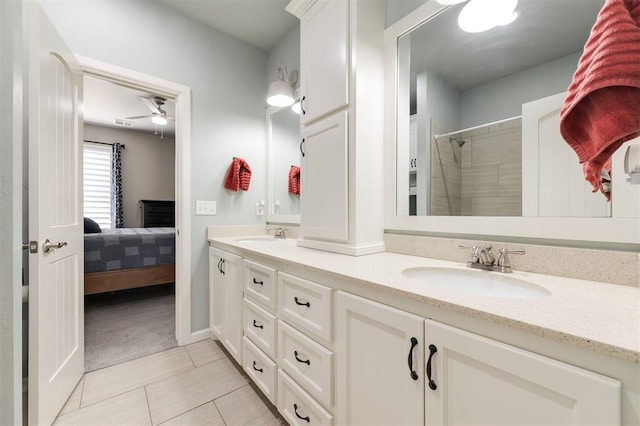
(281, 91)
(482, 15)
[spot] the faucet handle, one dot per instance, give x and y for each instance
(473, 253)
(503, 261)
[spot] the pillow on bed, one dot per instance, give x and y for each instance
(91, 227)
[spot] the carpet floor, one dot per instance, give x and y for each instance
(128, 324)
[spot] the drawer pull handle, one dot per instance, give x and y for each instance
(432, 351)
(256, 325)
(259, 370)
(295, 409)
(298, 302)
(304, 361)
(414, 343)
(258, 282)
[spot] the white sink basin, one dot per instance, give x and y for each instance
(477, 283)
(257, 239)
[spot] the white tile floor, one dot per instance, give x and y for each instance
(190, 385)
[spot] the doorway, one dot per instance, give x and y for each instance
(129, 191)
(181, 96)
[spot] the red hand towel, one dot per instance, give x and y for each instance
(294, 180)
(602, 108)
(238, 175)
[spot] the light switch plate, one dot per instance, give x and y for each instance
(205, 208)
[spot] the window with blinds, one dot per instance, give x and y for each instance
(97, 183)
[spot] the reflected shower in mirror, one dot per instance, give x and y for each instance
(483, 113)
(284, 162)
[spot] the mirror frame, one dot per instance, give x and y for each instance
(588, 232)
(291, 219)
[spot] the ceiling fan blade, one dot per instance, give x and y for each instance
(138, 116)
(150, 104)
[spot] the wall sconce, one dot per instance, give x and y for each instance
(281, 91)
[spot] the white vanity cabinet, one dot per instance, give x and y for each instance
(342, 115)
(380, 370)
(460, 377)
(305, 350)
(476, 380)
(225, 300)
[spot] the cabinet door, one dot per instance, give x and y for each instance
(324, 58)
(413, 144)
(375, 383)
(233, 325)
(482, 381)
(324, 180)
(216, 293)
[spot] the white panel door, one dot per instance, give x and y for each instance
(379, 352)
(324, 180)
(553, 182)
(481, 381)
(56, 308)
(324, 58)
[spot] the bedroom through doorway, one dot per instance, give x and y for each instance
(130, 195)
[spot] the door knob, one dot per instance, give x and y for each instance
(48, 246)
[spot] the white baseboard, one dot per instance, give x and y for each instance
(197, 336)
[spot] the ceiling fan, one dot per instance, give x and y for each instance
(158, 115)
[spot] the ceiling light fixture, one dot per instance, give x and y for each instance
(482, 15)
(159, 119)
(281, 91)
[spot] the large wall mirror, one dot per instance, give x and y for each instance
(473, 135)
(283, 126)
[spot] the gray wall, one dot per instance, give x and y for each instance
(227, 79)
(503, 98)
(10, 211)
(148, 167)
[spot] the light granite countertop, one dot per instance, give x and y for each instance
(601, 317)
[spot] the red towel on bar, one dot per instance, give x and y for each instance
(238, 175)
(294, 180)
(602, 108)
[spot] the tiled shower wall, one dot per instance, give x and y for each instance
(481, 178)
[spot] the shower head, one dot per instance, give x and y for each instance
(459, 141)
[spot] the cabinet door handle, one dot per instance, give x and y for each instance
(256, 325)
(222, 266)
(301, 151)
(298, 302)
(302, 105)
(258, 282)
(432, 351)
(259, 370)
(303, 361)
(414, 343)
(295, 409)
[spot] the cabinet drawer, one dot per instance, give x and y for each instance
(306, 361)
(306, 305)
(260, 327)
(260, 368)
(297, 406)
(260, 284)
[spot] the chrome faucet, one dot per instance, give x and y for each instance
(278, 231)
(482, 257)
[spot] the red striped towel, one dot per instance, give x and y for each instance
(294, 180)
(602, 108)
(238, 175)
